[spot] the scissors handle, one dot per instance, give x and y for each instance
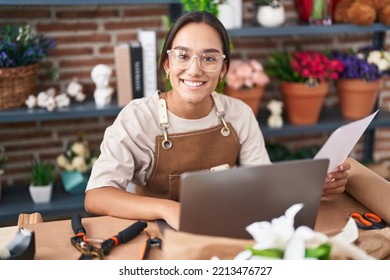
(368, 220)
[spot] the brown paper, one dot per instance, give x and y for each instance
(370, 189)
(187, 246)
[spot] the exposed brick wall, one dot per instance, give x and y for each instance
(86, 35)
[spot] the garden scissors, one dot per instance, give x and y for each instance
(89, 251)
(368, 220)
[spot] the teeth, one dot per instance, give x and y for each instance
(193, 84)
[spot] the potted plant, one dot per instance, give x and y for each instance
(304, 82)
(42, 176)
(76, 163)
(270, 13)
(246, 80)
(360, 81)
(21, 51)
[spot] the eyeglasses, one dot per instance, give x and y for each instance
(208, 62)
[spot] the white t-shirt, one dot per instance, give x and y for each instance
(128, 146)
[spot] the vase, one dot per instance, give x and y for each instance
(303, 102)
(41, 194)
(272, 15)
(251, 96)
(74, 182)
(230, 14)
(357, 97)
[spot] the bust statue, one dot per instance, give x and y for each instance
(101, 75)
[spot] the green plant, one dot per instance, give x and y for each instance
(42, 173)
(202, 5)
(20, 45)
(265, 2)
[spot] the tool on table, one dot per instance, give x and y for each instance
(152, 241)
(89, 251)
(368, 220)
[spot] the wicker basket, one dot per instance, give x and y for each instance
(16, 84)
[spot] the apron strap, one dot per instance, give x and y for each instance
(225, 131)
(164, 123)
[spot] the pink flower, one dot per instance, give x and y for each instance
(246, 74)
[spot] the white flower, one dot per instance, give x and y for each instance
(79, 164)
(380, 58)
(279, 234)
(79, 148)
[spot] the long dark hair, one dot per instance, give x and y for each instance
(196, 17)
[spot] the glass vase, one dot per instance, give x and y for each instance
(321, 12)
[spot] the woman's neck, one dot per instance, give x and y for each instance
(186, 110)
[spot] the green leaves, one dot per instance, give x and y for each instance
(201, 5)
(20, 45)
(278, 65)
(42, 173)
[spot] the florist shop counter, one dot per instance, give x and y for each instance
(53, 239)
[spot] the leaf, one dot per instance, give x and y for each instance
(322, 252)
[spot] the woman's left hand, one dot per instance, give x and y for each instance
(335, 181)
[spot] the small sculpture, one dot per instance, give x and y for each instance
(75, 90)
(101, 75)
(275, 119)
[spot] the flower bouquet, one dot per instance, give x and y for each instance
(246, 80)
(279, 239)
(21, 51)
(360, 81)
(304, 82)
(76, 163)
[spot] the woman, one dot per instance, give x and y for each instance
(155, 139)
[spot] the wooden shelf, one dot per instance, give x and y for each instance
(330, 120)
(74, 111)
(86, 2)
(16, 200)
(299, 30)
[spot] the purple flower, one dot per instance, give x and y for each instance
(356, 66)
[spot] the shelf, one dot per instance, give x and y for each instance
(292, 30)
(330, 120)
(86, 2)
(74, 111)
(16, 200)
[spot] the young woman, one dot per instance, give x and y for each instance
(188, 128)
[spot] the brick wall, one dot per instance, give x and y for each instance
(86, 35)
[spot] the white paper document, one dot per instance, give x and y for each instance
(341, 142)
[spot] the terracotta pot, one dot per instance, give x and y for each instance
(252, 96)
(357, 97)
(302, 102)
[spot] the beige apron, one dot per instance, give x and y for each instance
(193, 151)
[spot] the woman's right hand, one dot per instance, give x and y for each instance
(172, 214)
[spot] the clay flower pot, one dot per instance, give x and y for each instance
(303, 102)
(357, 97)
(251, 96)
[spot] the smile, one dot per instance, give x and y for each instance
(193, 84)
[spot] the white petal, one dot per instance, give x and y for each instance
(295, 249)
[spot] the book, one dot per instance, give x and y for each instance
(148, 41)
(123, 71)
(137, 69)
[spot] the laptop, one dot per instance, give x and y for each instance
(223, 203)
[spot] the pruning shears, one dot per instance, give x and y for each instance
(368, 220)
(89, 251)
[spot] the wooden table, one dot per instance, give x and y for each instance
(53, 238)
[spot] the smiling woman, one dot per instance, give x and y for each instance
(190, 128)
